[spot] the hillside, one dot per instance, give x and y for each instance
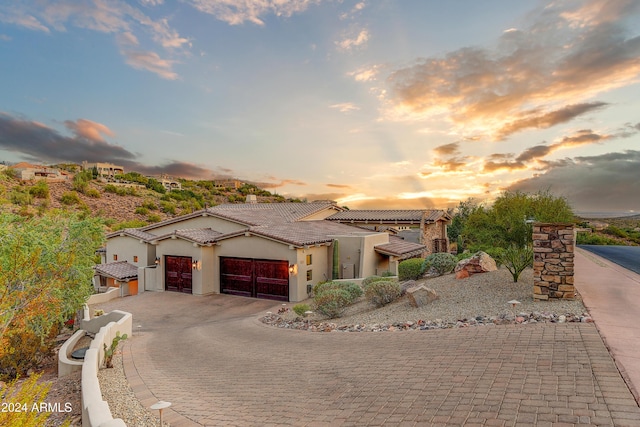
(120, 206)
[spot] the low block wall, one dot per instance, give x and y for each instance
(553, 252)
(111, 293)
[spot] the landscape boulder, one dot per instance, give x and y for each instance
(421, 295)
(480, 262)
(406, 285)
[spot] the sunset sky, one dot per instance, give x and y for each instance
(374, 103)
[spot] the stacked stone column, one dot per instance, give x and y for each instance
(553, 246)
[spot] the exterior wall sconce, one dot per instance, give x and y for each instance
(196, 265)
(293, 269)
(157, 260)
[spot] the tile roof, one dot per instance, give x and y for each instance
(120, 270)
(133, 232)
(268, 213)
(388, 216)
(305, 232)
(401, 248)
(199, 235)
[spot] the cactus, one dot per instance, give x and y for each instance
(336, 260)
(109, 351)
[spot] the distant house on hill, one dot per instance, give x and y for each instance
(168, 182)
(30, 172)
(262, 250)
(105, 170)
(228, 183)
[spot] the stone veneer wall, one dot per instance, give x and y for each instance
(553, 261)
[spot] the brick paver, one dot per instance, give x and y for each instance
(218, 365)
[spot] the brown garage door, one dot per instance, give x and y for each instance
(178, 274)
(256, 278)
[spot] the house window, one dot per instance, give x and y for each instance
(309, 275)
(115, 257)
(135, 258)
(309, 259)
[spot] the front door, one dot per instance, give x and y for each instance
(178, 274)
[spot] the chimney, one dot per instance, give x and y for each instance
(251, 198)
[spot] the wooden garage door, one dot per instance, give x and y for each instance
(256, 278)
(178, 271)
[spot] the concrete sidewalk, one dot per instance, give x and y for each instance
(612, 296)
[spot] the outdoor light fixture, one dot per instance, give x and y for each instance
(293, 269)
(194, 264)
(157, 260)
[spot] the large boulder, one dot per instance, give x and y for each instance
(480, 262)
(421, 295)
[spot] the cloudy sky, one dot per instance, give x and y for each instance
(373, 103)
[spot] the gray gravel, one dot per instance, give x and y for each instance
(479, 299)
(122, 401)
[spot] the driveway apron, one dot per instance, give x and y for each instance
(219, 365)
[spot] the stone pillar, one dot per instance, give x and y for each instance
(553, 261)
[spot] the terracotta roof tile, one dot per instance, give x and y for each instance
(388, 216)
(401, 248)
(305, 232)
(120, 270)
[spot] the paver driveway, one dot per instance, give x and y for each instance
(218, 365)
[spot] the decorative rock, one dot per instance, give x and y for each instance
(404, 286)
(480, 262)
(462, 274)
(421, 295)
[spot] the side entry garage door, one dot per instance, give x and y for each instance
(257, 278)
(178, 274)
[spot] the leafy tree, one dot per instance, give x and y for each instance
(507, 225)
(45, 277)
(461, 214)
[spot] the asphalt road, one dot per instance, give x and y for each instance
(626, 256)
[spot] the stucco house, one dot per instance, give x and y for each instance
(264, 250)
(30, 172)
(427, 227)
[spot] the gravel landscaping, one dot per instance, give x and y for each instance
(481, 299)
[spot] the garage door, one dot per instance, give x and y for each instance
(257, 278)
(178, 271)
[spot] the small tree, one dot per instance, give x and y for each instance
(45, 277)
(516, 259)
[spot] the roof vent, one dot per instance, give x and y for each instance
(251, 198)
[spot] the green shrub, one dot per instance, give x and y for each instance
(20, 197)
(92, 192)
(301, 309)
(516, 259)
(382, 292)
(353, 290)
(372, 279)
(463, 255)
(153, 218)
(441, 263)
(332, 302)
(40, 190)
(387, 274)
(134, 223)
(168, 207)
(141, 210)
(410, 269)
(70, 198)
(150, 204)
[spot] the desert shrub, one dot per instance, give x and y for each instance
(463, 255)
(353, 290)
(387, 274)
(168, 207)
(92, 192)
(595, 239)
(150, 204)
(26, 394)
(441, 263)
(141, 210)
(153, 218)
(70, 198)
(40, 190)
(516, 259)
(382, 292)
(300, 309)
(410, 269)
(110, 188)
(332, 302)
(20, 197)
(372, 279)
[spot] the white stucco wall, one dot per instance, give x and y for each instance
(127, 247)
